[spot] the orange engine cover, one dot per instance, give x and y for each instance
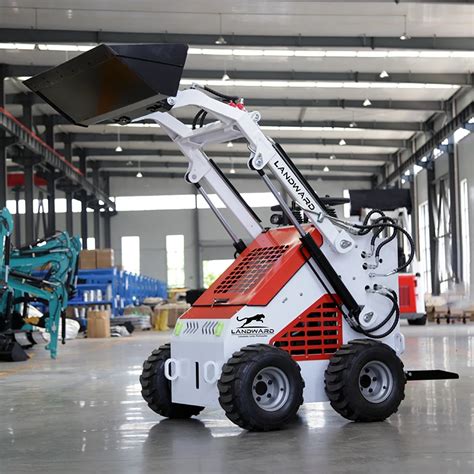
(257, 275)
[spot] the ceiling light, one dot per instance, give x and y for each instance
(404, 36)
(18, 46)
(384, 74)
(311, 84)
(220, 40)
(230, 145)
(232, 171)
(311, 53)
(326, 169)
(424, 159)
(403, 181)
(342, 142)
(139, 174)
(352, 124)
(366, 103)
(225, 77)
(118, 148)
(64, 47)
(332, 157)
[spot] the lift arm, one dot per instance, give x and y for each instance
(233, 123)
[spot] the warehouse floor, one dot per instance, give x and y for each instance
(84, 414)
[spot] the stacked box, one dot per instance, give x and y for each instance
(98, 324)
(105, 258)
(88, 260)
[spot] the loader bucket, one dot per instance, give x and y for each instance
(113, 82)
(11, 351)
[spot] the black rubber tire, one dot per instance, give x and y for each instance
(341, 380)
(156, 388)
(418, 322)
(235, 388)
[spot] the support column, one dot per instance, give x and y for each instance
(107, 230)
(3, 171)
(68, 156)
(3, 145)
(96, 183)
(28, 170)
(51, 187)
(29, 216)
(431, 185)
(414, 212)
(454, 212)
(17, 217)
(84, 230)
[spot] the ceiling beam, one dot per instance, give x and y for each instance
(130, 152)
(367, 125)
(169, 175)
(228, 165)
(351, 76)
(161, 139)
(30, 35)
(421, 105)
(15, 70)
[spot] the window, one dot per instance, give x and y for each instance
(466, 244)
(131, 253)
(90, 243)
(443, 235)
(175, 261)
(425, 259)
(213, 269)
(347, 207)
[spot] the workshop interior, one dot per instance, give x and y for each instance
(233, 227)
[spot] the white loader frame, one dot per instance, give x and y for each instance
(194, 342)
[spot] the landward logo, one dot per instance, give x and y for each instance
(298, 188)
(247, 329)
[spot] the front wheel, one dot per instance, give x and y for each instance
(156, 388)
(260, 388)
(418, 322)
(365, 381)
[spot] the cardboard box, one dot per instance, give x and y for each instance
(98, 324)
(105, 258)
(88, 260)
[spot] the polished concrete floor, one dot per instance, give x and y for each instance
(84, 414)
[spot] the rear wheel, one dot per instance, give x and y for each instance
(260, 388)
(365, 381)
(156, 388)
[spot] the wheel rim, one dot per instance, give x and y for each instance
(270, 388)
(375, 381)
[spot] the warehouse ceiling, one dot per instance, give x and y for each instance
(344, 86)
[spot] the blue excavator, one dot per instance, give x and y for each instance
(44, 272)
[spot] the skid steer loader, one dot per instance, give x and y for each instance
(307, 311)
